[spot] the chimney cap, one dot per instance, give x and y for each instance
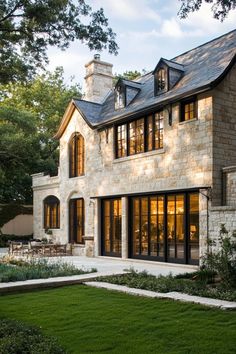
(97, 56)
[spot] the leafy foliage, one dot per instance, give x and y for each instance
(128, 75)
(29, 115)
(17, 337)
(28, 27)
(38, 269)
(192, 284)
(222, 261)
(220, 8)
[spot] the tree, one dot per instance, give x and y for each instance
(28, 27)
(30, 113)
(128, 75)
(220, 8)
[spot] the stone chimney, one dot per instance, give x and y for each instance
(98, 79)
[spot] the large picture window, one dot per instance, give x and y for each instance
(140, 135)
(165, 227)
(51, 212)
(76, 155)
(76, 220)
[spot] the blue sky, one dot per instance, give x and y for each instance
(146, 30)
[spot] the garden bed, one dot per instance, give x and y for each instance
(199, 283)
(19, 270)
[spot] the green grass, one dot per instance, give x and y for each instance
(89, 320)
(38, 269)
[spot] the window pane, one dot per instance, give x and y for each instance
(132, 138)
(194, 226)
(150, 133)
(121, 140)
(140, 136)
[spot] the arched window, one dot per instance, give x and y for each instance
(51, 212)
(76, 160)
(76, 220)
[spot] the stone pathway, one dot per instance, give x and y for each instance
(20, 286)
(225, 305)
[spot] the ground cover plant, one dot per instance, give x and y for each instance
(191, 283)
(16, 337)
(18, 270)
(89, 320)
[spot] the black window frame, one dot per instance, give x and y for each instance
(157, 89)
(183, 103)
(74, 155)
(73, 228)
(160, 131)
(51, 202)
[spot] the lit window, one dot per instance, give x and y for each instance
(51, 212)
(140, 135)
(188, 110)
(76, 161)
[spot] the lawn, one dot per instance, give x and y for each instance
(89, 320)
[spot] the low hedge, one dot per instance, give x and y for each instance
(5, 238)
(17, 338)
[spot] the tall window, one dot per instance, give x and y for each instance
(155, 131)
(136, 136)
(188, 110)
(76, 160)
(161, 80)
(121, 140)
(76, 220)
(140, 135)
(51, 212)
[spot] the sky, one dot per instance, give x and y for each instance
(146, 31)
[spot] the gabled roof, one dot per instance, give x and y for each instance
(171, 64)
(204, 67)
(129, 83)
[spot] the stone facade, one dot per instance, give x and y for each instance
(193, 156)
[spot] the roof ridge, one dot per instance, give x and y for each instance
(73, 99)
(204, 44)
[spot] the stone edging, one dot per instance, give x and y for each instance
(222, 304)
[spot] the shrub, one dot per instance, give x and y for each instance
(223, 260)
(38, 269)
(17, 337)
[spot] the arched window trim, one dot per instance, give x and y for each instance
(76, 155)
(51, 205)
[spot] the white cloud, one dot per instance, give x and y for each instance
(130, 10)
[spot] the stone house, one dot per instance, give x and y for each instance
(147, 167)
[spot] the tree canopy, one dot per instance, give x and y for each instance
(28, 27)
(220, 8)
(30, 113)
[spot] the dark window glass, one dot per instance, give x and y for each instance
(76, 218)
(188, 110)
(76, 159)
(51, 212)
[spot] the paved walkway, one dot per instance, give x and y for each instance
(225, 305)
(108, 264)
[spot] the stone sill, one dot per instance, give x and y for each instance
(139, 156)
(223, 208)
(188, 121)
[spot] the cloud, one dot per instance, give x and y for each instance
(131, 10)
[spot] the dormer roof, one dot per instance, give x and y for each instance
(202, 69)
(170, 64)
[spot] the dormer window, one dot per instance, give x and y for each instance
(161, 80)
(166, 75)
(125, 92)
(119, 97)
